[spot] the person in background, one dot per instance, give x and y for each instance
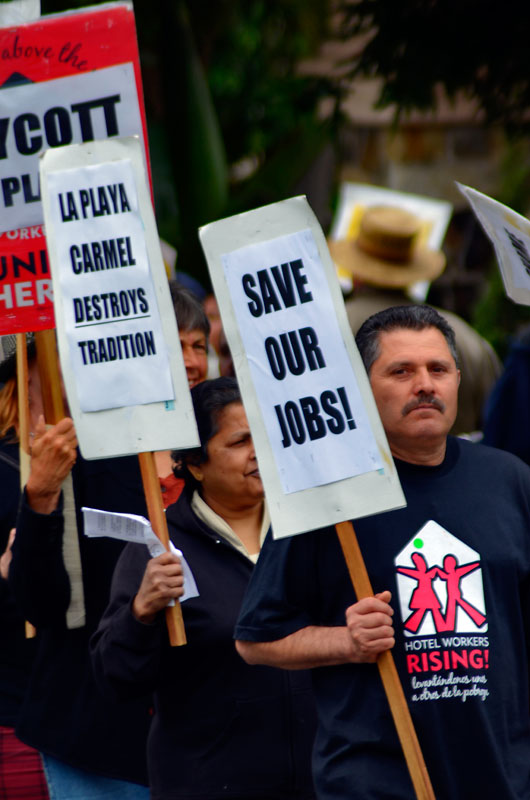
(507, 414)
(21, 772)
(194, 329)
(221, 729)
(385, 260)
(216, 326)
(91, 747)
(451, 574)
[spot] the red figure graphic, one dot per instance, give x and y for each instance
(452, 574)
(424, 598)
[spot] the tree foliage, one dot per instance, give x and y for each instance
(479, 47)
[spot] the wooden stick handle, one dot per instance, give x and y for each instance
(50, 377)
(387, 670)
(157, 518)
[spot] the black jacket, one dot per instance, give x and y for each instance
(64, 714)
(16, 652)
(221, 729)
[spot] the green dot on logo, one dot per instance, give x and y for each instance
(418, 543)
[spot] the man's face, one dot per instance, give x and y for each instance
(415, 385)
(195, 354)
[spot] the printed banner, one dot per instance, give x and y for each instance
(510, 234)
(321, 448)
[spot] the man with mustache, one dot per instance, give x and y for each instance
(464, 665)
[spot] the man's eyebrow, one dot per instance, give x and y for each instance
(407, 362)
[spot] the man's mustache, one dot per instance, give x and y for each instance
(423, 400)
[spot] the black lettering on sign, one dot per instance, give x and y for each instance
(276, 288)
(312, 418)
(55, 129)
(98, 256)
(13, 186)
(113, 348)
(520, 249)
(294, 351)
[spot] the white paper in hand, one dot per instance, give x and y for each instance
(135, 528)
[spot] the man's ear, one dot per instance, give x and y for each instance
(195, 471)
(459, 376)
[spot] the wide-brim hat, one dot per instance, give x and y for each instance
(8, 354)
(386, 251)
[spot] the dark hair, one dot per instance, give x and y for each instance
(209, 399)
(412, 317)
(188, 310)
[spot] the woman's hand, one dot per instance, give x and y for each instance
(53, 454)
(370, 625)
(163, 581)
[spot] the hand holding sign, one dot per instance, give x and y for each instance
(53, 454)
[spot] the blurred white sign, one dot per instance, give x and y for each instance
(510, 234)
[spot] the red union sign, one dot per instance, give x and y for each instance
(26, 294)
(64, 79)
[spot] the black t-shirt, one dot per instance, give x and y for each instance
(457, 561)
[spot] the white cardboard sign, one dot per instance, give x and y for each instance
(111, 317)
(321, 448)
(510, 234)
(312, 408)
(118, 340)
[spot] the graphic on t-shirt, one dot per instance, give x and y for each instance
(440, 584)
(441, 598)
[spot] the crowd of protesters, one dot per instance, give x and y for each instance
(95, 703)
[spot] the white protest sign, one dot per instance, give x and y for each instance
(322, 451)
(118, 341)
(80, 115)
(110, 310)
(137, 529)
(315, 393)
(65, 78)
(510, 234)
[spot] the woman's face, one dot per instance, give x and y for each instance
(230, 477)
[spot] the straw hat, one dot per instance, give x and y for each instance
(8, 354)
(385, 252)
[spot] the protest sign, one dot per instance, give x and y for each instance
(118, 341)
(321, 448)
(26, 292)
(510, 234)
(64, 78)
(322, 451)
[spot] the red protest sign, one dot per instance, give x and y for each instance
(64, 79)
(26, 296)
